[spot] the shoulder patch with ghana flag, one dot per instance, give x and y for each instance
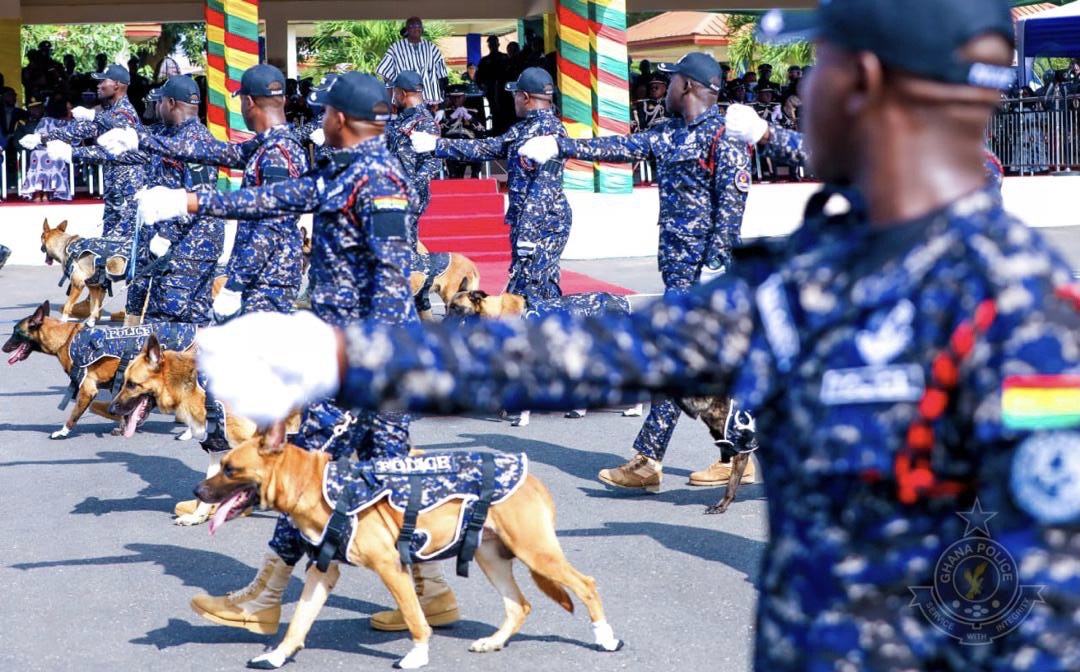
(1041, 402)
(388, 217)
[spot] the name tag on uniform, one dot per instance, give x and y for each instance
(873, 385)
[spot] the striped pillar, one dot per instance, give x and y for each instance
(575, 85)
(232, 37)
(610, 85)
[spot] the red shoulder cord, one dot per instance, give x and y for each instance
(914, 473)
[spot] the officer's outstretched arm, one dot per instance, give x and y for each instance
(297, 196)
(687, 344)
(484, 149)
(617, 148)
(98, 155)
(208, 151)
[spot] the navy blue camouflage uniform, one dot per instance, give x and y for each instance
(359, 270)
(538, 212)
(870, 357)
(265, 265)
(121, 181)
(182, 290)
(704, 179)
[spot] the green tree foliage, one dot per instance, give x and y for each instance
(83, 41)
(746, 53)
(188, 38)
(359, 45)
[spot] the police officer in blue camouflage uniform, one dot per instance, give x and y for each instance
(359, 269)
(5, 252)
(412, 116)
(312, 130)
(539, 215)
(704, 178)
(915, 359)
(121, 181)
(264, 269)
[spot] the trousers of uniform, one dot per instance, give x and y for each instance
(120, 215)
(183, 292)
(680, 272)
(537, 276)
(268, 263)
(138, 289)
(372, 436)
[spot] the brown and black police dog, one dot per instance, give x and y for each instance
(42, 333)
(55, 243)
(461, 272)
(269, 473)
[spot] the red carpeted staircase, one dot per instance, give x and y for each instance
(466, 216)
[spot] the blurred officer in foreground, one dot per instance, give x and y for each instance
(914, 355)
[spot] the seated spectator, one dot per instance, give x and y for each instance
(653, 110)
(766, 105)
(460, 122)
(45, 178)
(469, 76)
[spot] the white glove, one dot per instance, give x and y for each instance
(227, 303)
(540, 150)
(318, 136)
(461, 113)
(744, 124)
(30, 141)
(58, 151)
(83, 114)
(161, 203)
(159, 245)
(119, 140)
(525, 249)
(708, 274)
(264, 365)
(423, 143)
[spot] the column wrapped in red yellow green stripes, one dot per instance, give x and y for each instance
(610, 75)
(575, 84)
(232, 46)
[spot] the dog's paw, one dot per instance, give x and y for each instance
(271, 660)
(575, 414)
(186, 436)
(189, 519)
(61, 433)
(414, 659)
(487, 645)
(605, 637)
(91, 323)
(522, 420)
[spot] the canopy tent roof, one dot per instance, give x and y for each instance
(1054, 32)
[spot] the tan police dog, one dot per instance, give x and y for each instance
(168, 379)
(468, 302)
(42, 333)
(461, 272)
(269, 473)
(55, 243)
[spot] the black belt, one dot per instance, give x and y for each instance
(479, 515)
(408, 525)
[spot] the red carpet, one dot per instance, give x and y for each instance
(466, 216)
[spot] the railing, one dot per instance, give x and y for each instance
(1037, 135)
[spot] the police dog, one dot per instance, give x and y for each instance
(55, 243)
(461, 272)
(468, 302)
(41, 333)
(168, 379)
(269, 473)
(715, 412)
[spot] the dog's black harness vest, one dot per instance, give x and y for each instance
(415, 485)
(92, 344)
(101, 249)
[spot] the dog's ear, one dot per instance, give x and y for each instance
(464, 284)
(153, 352)
(38, 318)
(45, 225)
(303, 233)
(273, 441)
(63, 225)
(477, 296)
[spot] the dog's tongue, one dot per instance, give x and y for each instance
(19, 354)
(131, 422)
(221, 516)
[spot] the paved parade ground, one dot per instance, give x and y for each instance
(95, 575)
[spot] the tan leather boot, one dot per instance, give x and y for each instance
(257, 607)
(436, 599)
(640, 473)
(719, 473)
